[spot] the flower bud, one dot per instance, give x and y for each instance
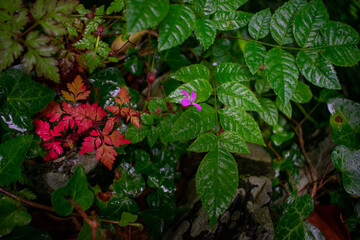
(89, 15)
(112, 53)
(151, 78)
(169, 106)
(100, 30)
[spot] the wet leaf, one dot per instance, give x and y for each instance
(292, 224)
(29, 233)
(259, 25)
(216, 182)
(232, 142)
(230, 20)
(204, 143)
(12, 155)
(201, 87)
(11, 215)
(205, 32)
(232, 72)
(163, 179)
(285, 109)
(76, 189)
(345, 122)
(347, 162)
(127, 218)
(254, 55)
(130, 183)
(136, 135)
(269, 113)
(302, 93)
(192, 72)
(24, 97)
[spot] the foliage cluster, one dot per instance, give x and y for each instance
(228, 78)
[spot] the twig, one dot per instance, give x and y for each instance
(273, 150)
(92, 222)
(25, 201)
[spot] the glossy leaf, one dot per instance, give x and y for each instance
(12, 155)
(207, 7)
(76, 189)
(281, 72)
(262, 84)
(232, 72)
(29, 233)
(230, 20)
(24, 97)
(176, 27)
(237, 120)
(269, 113)
(109, 82)
(204, 143)
(259, 25)
(282, 21)
(127, 218)
(192, 72)
(317, 70)
(136, 135)
(254, 55)
(237, 95)
(302, 93)
(152, 136)
(285, 109)
(345, 122)
(192, 123)
(339, 44)
(113, 208)
(308, 23)
(11, 215)
(205, 32)
(163, 179)
(232, 142)
(200, 86)
(142, 14)
(228, 5)
(216, 182)
(130, 183)
(115, 6)
(347, 162)
(292, 224)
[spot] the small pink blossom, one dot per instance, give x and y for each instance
(189, 100)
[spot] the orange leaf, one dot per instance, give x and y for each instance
(77, 90)
(106, 154)
(122, 97)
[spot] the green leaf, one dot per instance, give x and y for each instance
(261, 83)
(281, 72)
(207, 7)
(108, 82)
(204, 143)
(259, 25)
(237, 95)
(86, 233)
(228, 5)
(292, 224)
(269, 113)
(285, 109)
(347, 162)
(87, 42)
(205, 32)
(142, 14)
(232, 72)
(308, 22)
(76, 189)
(254, 56)
(201, 87)
(152, 136)
(158, 198)
(11, 215)
(130, 184)
(192, 123)
(232, 142)
(216, 182)
(115, 6)
(12, 155)
(24, 97)
(134, 65)
(192, 72)
(317, 70)
(280, 135)
(339, 44)
(163, 179)
(29, 233)
(47, 67)
(345, 122)
(282, 21)
(135, 135)
(176, 27)
(127, 218)
(302, 93)
(237, 120)
(230, 20)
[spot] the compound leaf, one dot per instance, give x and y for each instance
(282, 73)
(259, 25)
(302, 93)
(269, 113)
(232, 142)
(230, 20)
(216, 182)
(228, 5)
(254, 55)
(192, 72)
(205, 32)
(201, 87)
(232, 72)
(204, 143)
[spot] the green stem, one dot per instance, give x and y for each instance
(30, 28)
(307, 115)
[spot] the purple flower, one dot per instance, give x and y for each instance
(189, 100)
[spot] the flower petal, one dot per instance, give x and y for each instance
(197, 106)
(185, 102)
(193, 96)
(185, 93)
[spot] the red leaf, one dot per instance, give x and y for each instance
(77, 90)
(53, 111)
(90, 142)
(109, 125)
(106, 154)
(118, 139)
(44, 131)
(114, 109)
(122, 97)
(55, 150)
(329, 221)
